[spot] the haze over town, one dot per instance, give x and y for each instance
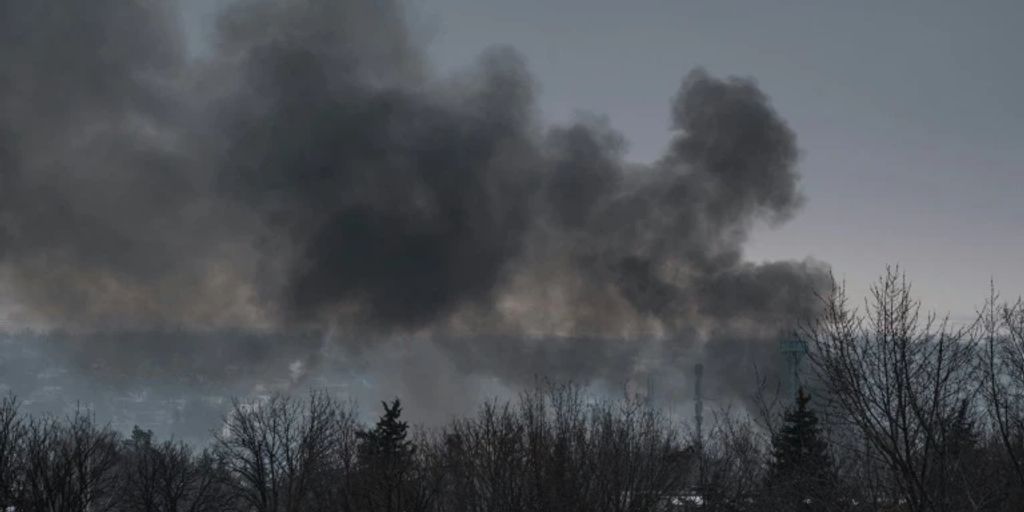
(455, 255)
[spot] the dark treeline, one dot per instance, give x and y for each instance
(900, 411)
(554, 449)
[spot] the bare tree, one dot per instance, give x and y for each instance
(732, 463)
(279, 450)
(898, 377)
(558, 450)
(12, 434)
(485, 458)
(69, 465)
(1001, 335)
(169, 477)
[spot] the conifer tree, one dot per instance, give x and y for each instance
(387, 440)
(801, 475)
(386, 463)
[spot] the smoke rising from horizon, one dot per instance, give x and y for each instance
(310, 187)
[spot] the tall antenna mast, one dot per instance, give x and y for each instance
(793, 351)
(698, 403)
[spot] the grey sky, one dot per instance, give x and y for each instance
(908, 121)
(908, 113)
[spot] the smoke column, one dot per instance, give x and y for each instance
(309, 203)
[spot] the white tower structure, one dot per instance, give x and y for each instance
(793, 351)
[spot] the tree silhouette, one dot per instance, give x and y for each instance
(386, 464)
(387, 440)
(801, 475)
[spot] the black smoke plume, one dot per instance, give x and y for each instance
(309, 178)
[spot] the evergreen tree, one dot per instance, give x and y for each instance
(387, 440)
(387, 467)
(801, 475)
(140, 438)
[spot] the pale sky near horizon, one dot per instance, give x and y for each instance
(907, 114)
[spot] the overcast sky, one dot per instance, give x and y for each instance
(908, 113)
(907, 118)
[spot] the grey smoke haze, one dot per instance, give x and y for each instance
(308, 202)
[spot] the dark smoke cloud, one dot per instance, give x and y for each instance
(398, 202)
(104, 217)
(309, 197)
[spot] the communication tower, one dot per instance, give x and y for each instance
(793, 351)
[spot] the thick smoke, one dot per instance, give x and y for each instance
(308, 196)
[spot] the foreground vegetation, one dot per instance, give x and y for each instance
(901, 411)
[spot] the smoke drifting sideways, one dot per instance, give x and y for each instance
(309, 204)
